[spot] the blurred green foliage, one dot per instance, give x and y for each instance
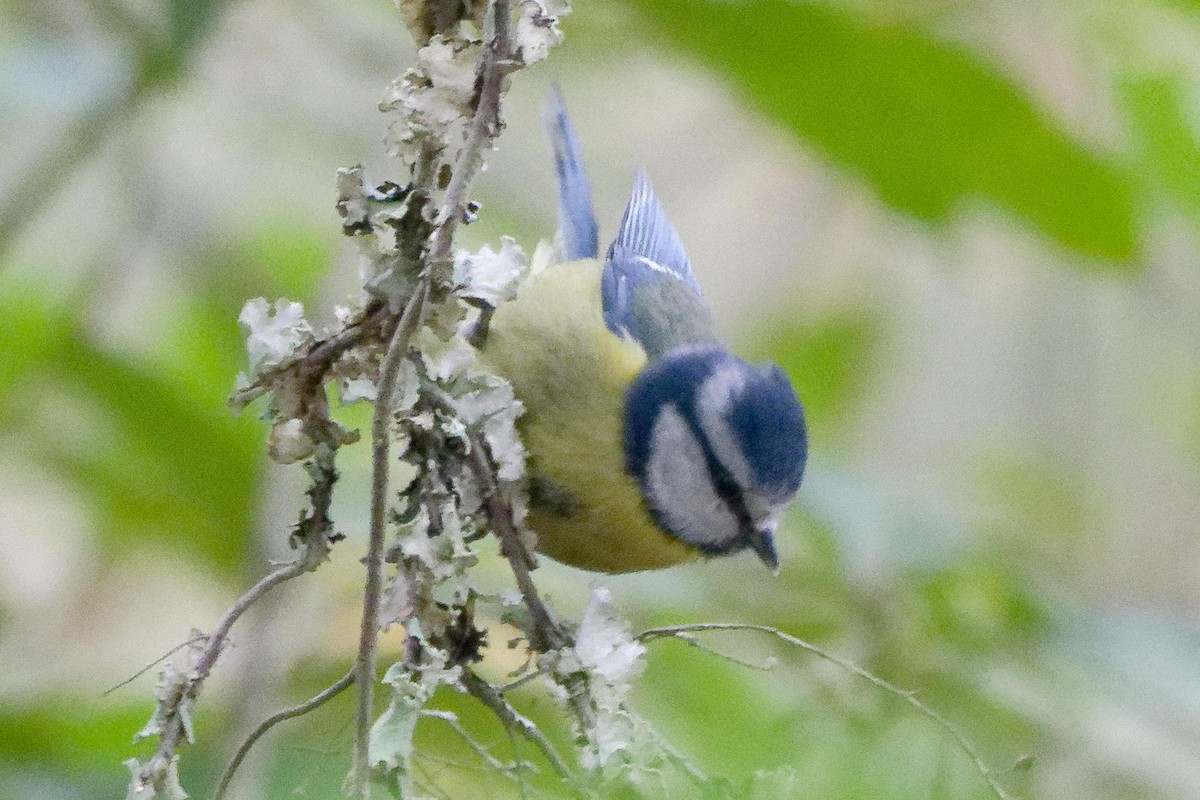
(1158, 114)
(930, 125)
(165, 455)
(970, 612)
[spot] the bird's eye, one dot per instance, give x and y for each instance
(727, 488)
(731, 493)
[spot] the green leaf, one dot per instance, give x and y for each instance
(1157, 109)
(32, 329)
(928, 124)
(146, 438)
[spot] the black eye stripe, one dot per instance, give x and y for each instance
(722, 480)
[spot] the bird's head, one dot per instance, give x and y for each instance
(717, 446)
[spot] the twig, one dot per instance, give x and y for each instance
(154, 663)
(381, 422)
(188, 688)
(521, 681)
(288, 713)
(513, 720)
(456, 763)
(313, 532)
(451, 719)
(675, 757)
(696, 643)
(426, 782)
(546, 635)
(518, 761)
(312, 364)
(964, 744)
(484, 126)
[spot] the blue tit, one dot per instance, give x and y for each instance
(650, 443)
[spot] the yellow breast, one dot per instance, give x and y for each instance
(571, 373)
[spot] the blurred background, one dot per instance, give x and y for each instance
(969, 231)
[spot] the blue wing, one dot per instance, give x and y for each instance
(648, 290)
(647, 234)
(576, 220)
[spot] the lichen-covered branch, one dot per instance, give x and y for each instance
(545, 633)
(381, 438)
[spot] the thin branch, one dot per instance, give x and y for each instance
(313, 532)
(546, 635)
(381, 422)
(484, 126)
(521, 681)
(451, 719)
(518, 760)
(964, 744)
(677, 758)
(155, 663)
(456, 763)
(766, 666)
(189, 687)
(312, 364)
(311, 704)
(426, 782)
(513, 720)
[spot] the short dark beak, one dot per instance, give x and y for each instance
(762, 542)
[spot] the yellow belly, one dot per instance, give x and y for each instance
(571, 372)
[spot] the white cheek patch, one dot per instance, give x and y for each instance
(712, 408)
(679, 488)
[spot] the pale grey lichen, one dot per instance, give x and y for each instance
(537, 29)
(605, 644)
(141, 789)
(490, 276)
(372, 218)
(484, 400)
(412, 686)
(430, 98)
(288, 442)
(449, 408)
(606, 651)
(273, 334)
(170, 682)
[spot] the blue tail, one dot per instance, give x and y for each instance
(576, 220)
